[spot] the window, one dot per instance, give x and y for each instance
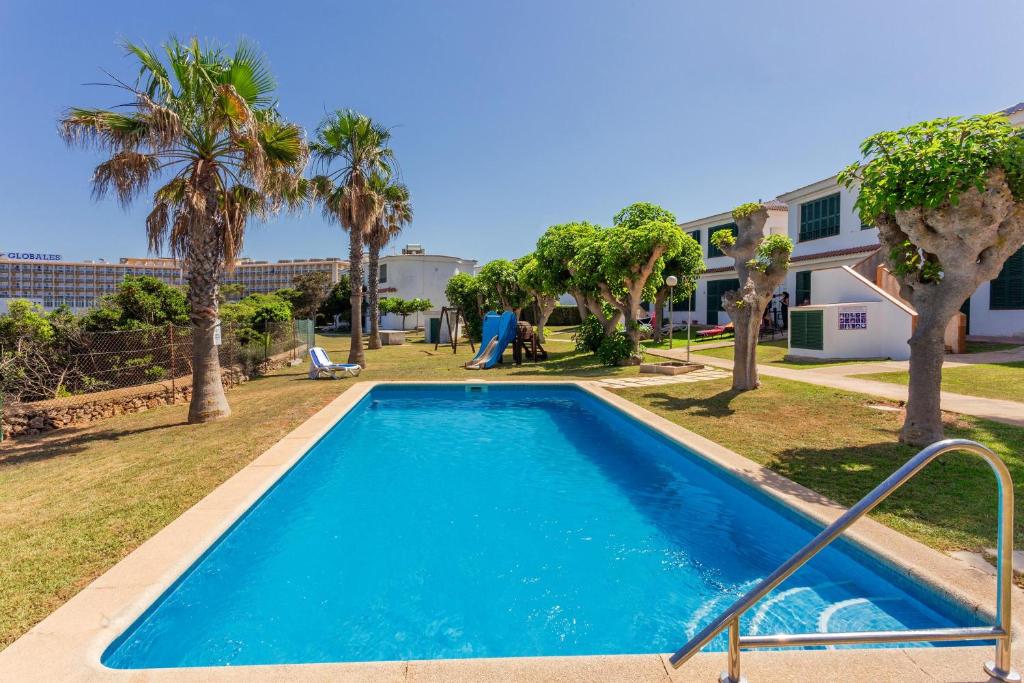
(684, 305)
(383, 272)
(714, 251)
(716, 288)
(819, 218)
(695, 235)
(803, 288)
(807, 329)
(1007, 291)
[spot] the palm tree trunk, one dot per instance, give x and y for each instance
(372, 284)
(355, 273)
(208, 400)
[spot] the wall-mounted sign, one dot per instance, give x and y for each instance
(853, 318)
(30, 256)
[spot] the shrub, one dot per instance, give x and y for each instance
(615, 349)
(589, 335)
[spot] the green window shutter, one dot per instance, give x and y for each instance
(819, 218)
(807, 329)
(1006, 292)
(695, 234)
(716, 288)
(803, 288)
(714, 251)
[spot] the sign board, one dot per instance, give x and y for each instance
(216, 334)
(30, 256)
(853, 318)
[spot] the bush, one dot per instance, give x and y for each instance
(615, 348)
(589, 335)
(646, 331)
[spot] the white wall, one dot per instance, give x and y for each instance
(422, 276)
(998, 323)
(888, 328)
(889, 325)
(850, 232)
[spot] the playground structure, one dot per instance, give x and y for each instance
(501, 330)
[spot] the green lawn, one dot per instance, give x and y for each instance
(989, 380)
(679, 339)
(833, 443)
(983, 347)
(774, 353)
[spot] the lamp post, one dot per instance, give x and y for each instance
(671, 281)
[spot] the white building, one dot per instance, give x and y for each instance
(720, 276)
(415, 274)
(827, 233)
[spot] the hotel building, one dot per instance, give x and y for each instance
(49, 281)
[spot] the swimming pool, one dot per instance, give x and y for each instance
(454, 521)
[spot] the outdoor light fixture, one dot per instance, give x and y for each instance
(671, 281)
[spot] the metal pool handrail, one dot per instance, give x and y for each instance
(1000, 668)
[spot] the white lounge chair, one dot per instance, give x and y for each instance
(320, 365)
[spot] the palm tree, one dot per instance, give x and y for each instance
(350, 149)
(395, 214)
(203, 119)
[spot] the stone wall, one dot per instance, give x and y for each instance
(22, 419)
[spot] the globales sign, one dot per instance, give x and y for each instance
(30, 256)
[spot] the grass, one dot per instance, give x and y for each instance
(774, 353)
(679, 339)
(984, 347)
(833, 443)
(76, 501)
(988, 380)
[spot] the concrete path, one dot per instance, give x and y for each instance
(1007, 412)
(658, 380)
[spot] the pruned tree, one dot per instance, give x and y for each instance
(544, 292)
(556, 252)
(499, 283)
(686, 266)
(761, 266)
(948, 198)
(624, 257)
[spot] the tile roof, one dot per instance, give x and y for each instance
(1014, 109)
(775, 205)
(849, 251)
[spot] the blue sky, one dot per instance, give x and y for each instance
(511, 116)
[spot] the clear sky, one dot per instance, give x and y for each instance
(511, 116)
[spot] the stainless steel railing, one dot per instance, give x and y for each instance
(1000, 668)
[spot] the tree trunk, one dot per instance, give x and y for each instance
(746, 322)
(659, 307)
(204, 265)
(373, 283)
(355, 273)
(545, 307)
(923, 423)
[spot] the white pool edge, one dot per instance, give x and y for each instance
(68, 644)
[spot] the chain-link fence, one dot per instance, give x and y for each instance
(83, 362)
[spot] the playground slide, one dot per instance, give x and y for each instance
(498, 332)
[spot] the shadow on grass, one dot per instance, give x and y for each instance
(719, 405)
(67, 442)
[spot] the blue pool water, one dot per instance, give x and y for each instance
(439, 522)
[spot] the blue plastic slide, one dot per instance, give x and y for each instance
(498, 333)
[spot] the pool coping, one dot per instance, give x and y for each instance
(68, 644)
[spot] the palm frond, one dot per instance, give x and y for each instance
(127, 171)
